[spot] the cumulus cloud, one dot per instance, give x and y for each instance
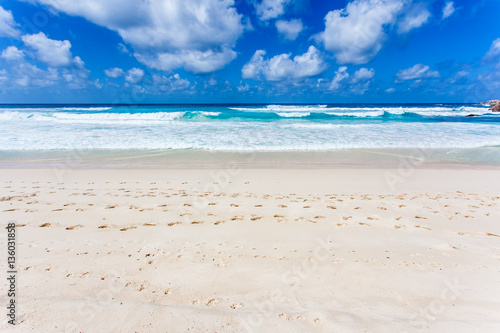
(355, 34)
(12, 53)
(52, 52)
(134, 75)
(363, 74)
(390, 90)
(417, 16)
(491, 78)
(289, 29)
(356, 83)
(26, 75)
(494, 51)
(341, 76)
(270, 9)
(193, 61)
(281, 67)
(195, 34)
(171, 83)
(114, 72)
(243, 87)
(7, 24)
(448, 9)
(418, 71)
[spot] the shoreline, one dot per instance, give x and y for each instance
(483, 157)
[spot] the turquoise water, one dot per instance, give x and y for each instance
(247, 127)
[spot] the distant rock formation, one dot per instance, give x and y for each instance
(495, 103)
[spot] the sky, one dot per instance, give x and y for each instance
(249, 51)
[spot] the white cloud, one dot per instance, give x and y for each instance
(52, 52)
(195, 34)
(289, 29)
(281, 67)
(356, 33)
(340, 77)
(134, 75)
(418, 71)
(12, 53)
(390, 90)
(4, 76)
(27, 75)
(363, 74)
(417, 16)
(270, 9)
(193, 61)
(114, 72)
(168, 83)
(448, 9)
(243, 88)
(123, 49)
(7, 24)
(494, 51)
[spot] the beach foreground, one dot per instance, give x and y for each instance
(257, 250)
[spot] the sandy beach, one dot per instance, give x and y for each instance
(255, 250)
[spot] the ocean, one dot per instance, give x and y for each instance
(247, 127)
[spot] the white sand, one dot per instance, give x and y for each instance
(255, 250)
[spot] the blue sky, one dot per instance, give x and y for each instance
(248, 51)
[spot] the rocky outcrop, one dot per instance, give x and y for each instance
(495, 104)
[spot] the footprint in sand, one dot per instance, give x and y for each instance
(45, 225)
(419, 226)
(236, 306)
(78, 226)
(149, 224)
(103, 226)
(197, 222)
(212, 302)
(173, 223)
